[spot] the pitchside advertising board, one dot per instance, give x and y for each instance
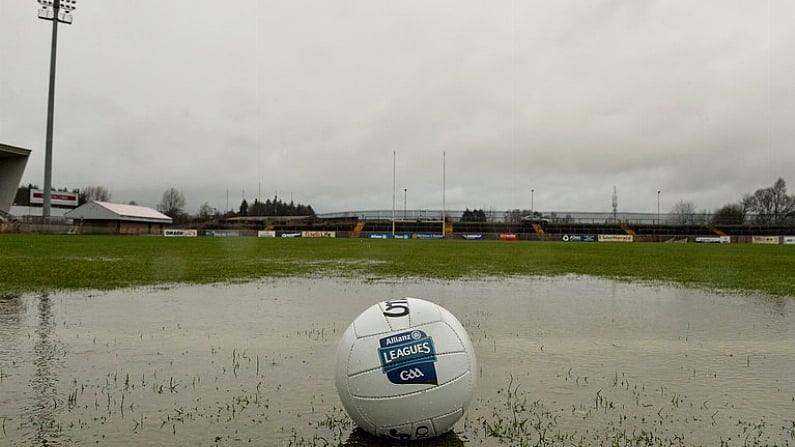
(222, 233)
(770, 240)
(789, 240)
(309, 234)
(57, 198)
(405, 236)
(180, 233)
(714, 240)
(389, 236)
(429, 236)
(615, 238)
(318, 234)
(578, 238)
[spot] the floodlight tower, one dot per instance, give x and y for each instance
(56, 11)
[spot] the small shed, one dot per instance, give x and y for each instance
(114, 218)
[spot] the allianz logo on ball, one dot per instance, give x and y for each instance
(408, 358)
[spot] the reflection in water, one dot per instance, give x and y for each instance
(41, 413)
(11, 311)
(360, 438)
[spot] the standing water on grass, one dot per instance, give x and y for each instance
(560, 361)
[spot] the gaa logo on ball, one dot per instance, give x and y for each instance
(405, 369)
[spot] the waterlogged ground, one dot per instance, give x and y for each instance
(563, 361)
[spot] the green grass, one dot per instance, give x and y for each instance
(41, 263)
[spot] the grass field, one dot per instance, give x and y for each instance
(41, 263)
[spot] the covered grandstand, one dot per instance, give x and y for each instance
(12, 165)
(636, 227)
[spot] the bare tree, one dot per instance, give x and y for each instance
(172, 203)
(683, 213)
(92, 193)
(206, 211)
(729, 214)
(771, 205)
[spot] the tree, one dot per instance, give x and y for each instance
(256, 209)
(771, 205)
(275, 207)
(172, 203)
(729, 214)
(243, 208)
(515, 215)
(683, 213)
(92, 193)
(473, 216)
(206, 211)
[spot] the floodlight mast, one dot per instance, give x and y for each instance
(56, 11)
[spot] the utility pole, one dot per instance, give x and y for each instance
(405, 191)
(444, 192)
(658, 207)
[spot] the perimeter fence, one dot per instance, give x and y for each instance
(554, 217)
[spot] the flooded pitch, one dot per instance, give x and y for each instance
(562, 361)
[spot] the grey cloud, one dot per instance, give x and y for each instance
(312, 98)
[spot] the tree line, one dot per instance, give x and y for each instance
(765, 206)
(172, 203)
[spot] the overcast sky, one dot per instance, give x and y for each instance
(309, 100)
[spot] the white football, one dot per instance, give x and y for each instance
(405, 369)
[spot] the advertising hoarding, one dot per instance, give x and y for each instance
(57, 198)
(180, 233)
(434, 236)
(318, 234)
(714, 239)
(578, 238)
(770, 240)
(222, 233)
(616, 238)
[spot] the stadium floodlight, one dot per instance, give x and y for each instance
(62, 9)
(55, 11)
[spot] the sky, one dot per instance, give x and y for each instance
(492, 105)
